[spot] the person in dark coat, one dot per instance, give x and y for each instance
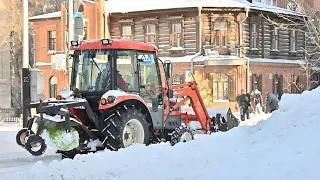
(272, 102)
(243, 100)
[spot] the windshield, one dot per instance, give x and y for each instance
(133, 71)
(92, 71)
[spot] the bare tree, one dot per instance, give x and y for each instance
(307, 21)
(11, 34)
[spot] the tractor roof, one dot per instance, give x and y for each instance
(114, 44)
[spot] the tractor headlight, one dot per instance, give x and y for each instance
(105, 42)
(74, 43)
(108, 100)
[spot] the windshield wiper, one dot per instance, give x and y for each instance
(97, 66)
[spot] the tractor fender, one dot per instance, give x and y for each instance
(118, 97)
(126, 99)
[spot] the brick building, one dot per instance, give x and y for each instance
(50, 33)
(229, 43)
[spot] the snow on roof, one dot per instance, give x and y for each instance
(270, 8)
(117, 6)
(47, 16)
(278, 61)
(184, 59)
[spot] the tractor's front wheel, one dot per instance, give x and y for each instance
(123, 127)
(181, 134)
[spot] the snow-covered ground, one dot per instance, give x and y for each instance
(281, 147)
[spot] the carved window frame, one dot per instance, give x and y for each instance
(292, 39)
(254, 34)
(151, 22)
(221, 32)
(275, 39)
(176, 20)
(124, 23)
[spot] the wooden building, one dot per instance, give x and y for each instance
(234, 45)
(230, 42)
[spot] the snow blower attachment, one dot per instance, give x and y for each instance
(117, 100)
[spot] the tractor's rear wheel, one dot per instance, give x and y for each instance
(125, 126)
(181, 134)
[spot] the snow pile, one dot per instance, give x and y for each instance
(282, 147)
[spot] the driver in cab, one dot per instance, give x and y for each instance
(120, 82)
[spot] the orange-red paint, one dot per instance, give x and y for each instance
(115, 44)
(121, 99)
(191, 92)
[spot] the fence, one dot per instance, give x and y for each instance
(10, 115)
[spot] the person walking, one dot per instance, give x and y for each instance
(272, 102)
(243, 100)
(258, 101)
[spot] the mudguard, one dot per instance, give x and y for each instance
(118, 96)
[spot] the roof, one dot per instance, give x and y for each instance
(47, 16)
(115, 44)
(275, 61)
(116, 6)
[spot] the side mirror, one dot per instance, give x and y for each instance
(168, 69)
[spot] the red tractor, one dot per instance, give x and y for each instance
(119, 99)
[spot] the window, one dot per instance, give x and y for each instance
(177, 79)
(127, 32)
(176, 35)
(52, 40)
(292, 40)
(150, 81)
(220, 34)
(127, 77)
(150, 34)
(275, 39)
(220, 86)
(254, 36)
(53, 87)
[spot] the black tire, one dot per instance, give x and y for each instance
(113, 126)
(178, 133)
(35, 139)
(21, 136)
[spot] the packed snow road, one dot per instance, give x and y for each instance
(15, 160)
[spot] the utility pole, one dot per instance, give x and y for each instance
(25, 35)
(25, 79)
(70, 36)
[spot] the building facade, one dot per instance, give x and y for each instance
(50, 37)
(233, 45)
(233, 49)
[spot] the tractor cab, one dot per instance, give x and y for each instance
(100, 66)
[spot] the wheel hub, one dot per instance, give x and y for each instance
(133, 133)
(185, 137)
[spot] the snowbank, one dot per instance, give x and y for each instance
(282, 147)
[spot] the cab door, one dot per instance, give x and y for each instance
(151, 86)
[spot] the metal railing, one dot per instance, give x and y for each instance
(10, 115)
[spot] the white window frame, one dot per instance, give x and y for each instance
(293, 42)
(275, 39)
(220, 28)
(254, 36)
(148, 33)
(126, 36)
(176, 41)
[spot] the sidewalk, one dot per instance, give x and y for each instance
(10, 127)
